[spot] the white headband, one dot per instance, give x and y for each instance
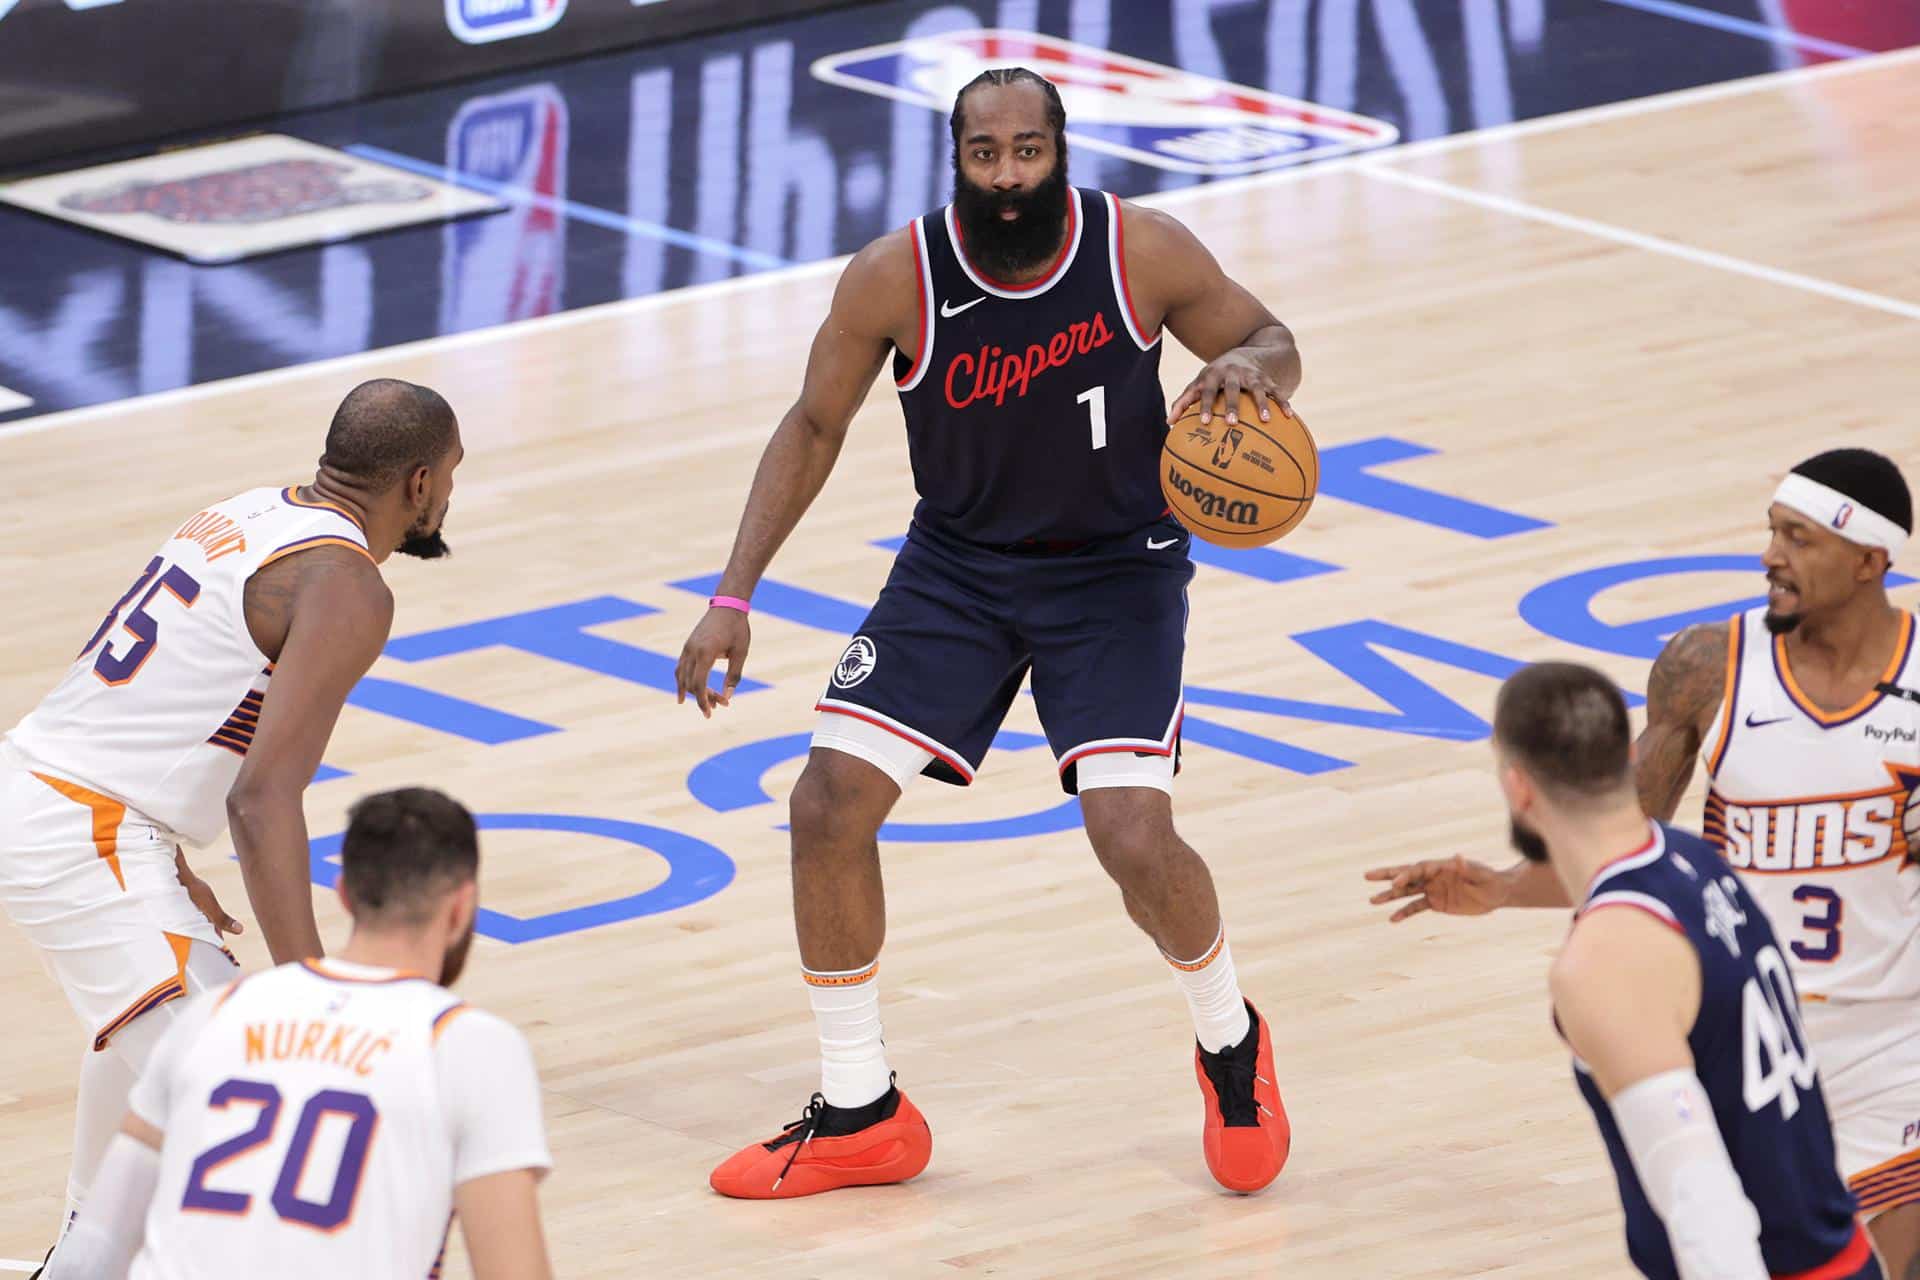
(1834, 510)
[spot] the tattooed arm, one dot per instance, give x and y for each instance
(1683, 692)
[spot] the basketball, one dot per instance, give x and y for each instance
(1242, 484)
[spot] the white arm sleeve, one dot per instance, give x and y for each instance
(102, 1241)
(1667, 1124)
(491, 1093)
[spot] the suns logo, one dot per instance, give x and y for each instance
(1829, 833)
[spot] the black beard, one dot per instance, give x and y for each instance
(1007, 248)
(456, 959)
(425, 546)
(1527, 841)
(1779, 624)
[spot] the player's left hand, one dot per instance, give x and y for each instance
(202, 894)
(1231, 374)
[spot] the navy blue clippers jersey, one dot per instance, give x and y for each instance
(1035, 411)
(1750, 1054)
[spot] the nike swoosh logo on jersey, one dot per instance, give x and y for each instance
(1160, 546)
(948, 311)
(1761, 724)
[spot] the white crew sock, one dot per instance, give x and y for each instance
(1213, 996)
(853, 1057)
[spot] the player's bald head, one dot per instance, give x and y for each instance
(386, 429)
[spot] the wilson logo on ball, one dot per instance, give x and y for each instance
(1214, 506)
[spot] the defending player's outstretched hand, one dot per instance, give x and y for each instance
(723, 633)
(1452, 886)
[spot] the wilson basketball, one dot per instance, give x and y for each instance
(1239, 484)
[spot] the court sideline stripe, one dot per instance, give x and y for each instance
(694, 293)
(1639, 240)
(12, 1264)
(1741, 27)
(570, 208)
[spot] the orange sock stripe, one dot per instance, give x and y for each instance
(852, 978)
(108, 814)
(1194, 966)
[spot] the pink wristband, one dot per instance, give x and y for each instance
(729, 602)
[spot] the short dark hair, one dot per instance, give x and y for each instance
(1056, 110)
(385, 429)
(402, 850)
(1870, 479)
(1567, 725)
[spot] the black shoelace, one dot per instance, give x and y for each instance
(798, 1134)
(1233, 1079)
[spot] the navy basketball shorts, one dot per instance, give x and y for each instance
(925, 684)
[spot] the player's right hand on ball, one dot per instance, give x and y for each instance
(723, 633)
(1452, 886)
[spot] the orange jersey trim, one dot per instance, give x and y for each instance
(108, 814)
(446, 1017)
(291, 496)
(160, 993)
(319, 969)
(1736, 641)
(1889, 1183)
(308, 544)
(1829, 719)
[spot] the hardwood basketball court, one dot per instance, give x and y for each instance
(1626, 323)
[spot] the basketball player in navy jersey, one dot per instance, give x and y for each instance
(1024, 322)
(1678, 1006)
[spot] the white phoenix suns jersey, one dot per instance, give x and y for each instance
(162, 703)
(317, 1118)
(1816, 809)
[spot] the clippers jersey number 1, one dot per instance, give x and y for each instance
(1775, 1062)
(118, 668)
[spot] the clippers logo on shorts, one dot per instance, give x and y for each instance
(1837, 833)
(1146, 112)
(510, 266)
(251, 194)
(483, 21)
(856, 664)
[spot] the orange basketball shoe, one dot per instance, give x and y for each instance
(831, 1147)
(1247, 1137)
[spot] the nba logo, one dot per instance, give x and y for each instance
(1844, 514)
(483, 21)
(507, 266)
(1146, 112)
(1228, 447)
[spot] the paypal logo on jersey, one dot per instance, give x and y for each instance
(484, 21)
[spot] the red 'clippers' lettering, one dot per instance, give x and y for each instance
(996, 374)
